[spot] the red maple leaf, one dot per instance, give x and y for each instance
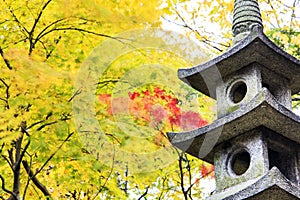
(133, 95)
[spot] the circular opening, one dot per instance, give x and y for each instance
(238, 91)
(240, 162)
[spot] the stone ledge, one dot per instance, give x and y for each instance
(273, 185)
(262, 110)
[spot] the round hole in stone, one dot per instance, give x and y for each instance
(240, 162)
(238, 91)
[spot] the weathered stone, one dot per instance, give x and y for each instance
(241, 159)
(246, 14)
(263, 110)
(237, 89)
(272, 185)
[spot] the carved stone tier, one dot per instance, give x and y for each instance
(273, 185)
(262, 111)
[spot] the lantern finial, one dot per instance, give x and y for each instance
(246, 14)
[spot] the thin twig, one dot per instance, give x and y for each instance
(7, 63)
(39, 16)
(44, 125)
(109, 175)
(180, 160)
(6, 190)
(36, 21)
(144, 194)
(21, 26)
(76, 93)
(120, 39)
(6, 91)
(7, 160)
(52, 155)
(276, 16)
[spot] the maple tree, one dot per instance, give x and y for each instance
(44, 43)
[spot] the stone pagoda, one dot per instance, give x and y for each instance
(254, 143)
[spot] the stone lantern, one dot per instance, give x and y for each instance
(255, 141)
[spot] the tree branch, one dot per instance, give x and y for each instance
(6, 91)
(76, 93)
(11, 157)
(190, 175)
(44, 125)
(41, 34)
(296, 99)
(21, 26)
(6, 190)
(8, 161)
(144, 194)
(180, 160)
(53, 154)
(36, 21)
(276, 16)
(34, 179)
(109, 175)
(204, 40)
(7, 63)
(35, 123)
(82, 30)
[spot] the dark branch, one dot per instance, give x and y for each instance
(18, 162)
(6, 91)
(36, 123)
(108, 177)
(34, 179)
(7, 63)
(144, 194)
(6, 190)
(74, 95)
(36, 21)
(44, 125)
(186, 25)
(53, 154)
(4, 21)
(81, 30)
(21, 26)
(296, 99)
(180, 160)
(7, 160)
(41, 34)
(11, 156)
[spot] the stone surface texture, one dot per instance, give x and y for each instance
(273, 185)
(246, 14)
(262, 111)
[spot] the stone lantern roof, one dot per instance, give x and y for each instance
(254, 48)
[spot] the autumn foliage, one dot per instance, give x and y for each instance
(154, 107)
(43, 44)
